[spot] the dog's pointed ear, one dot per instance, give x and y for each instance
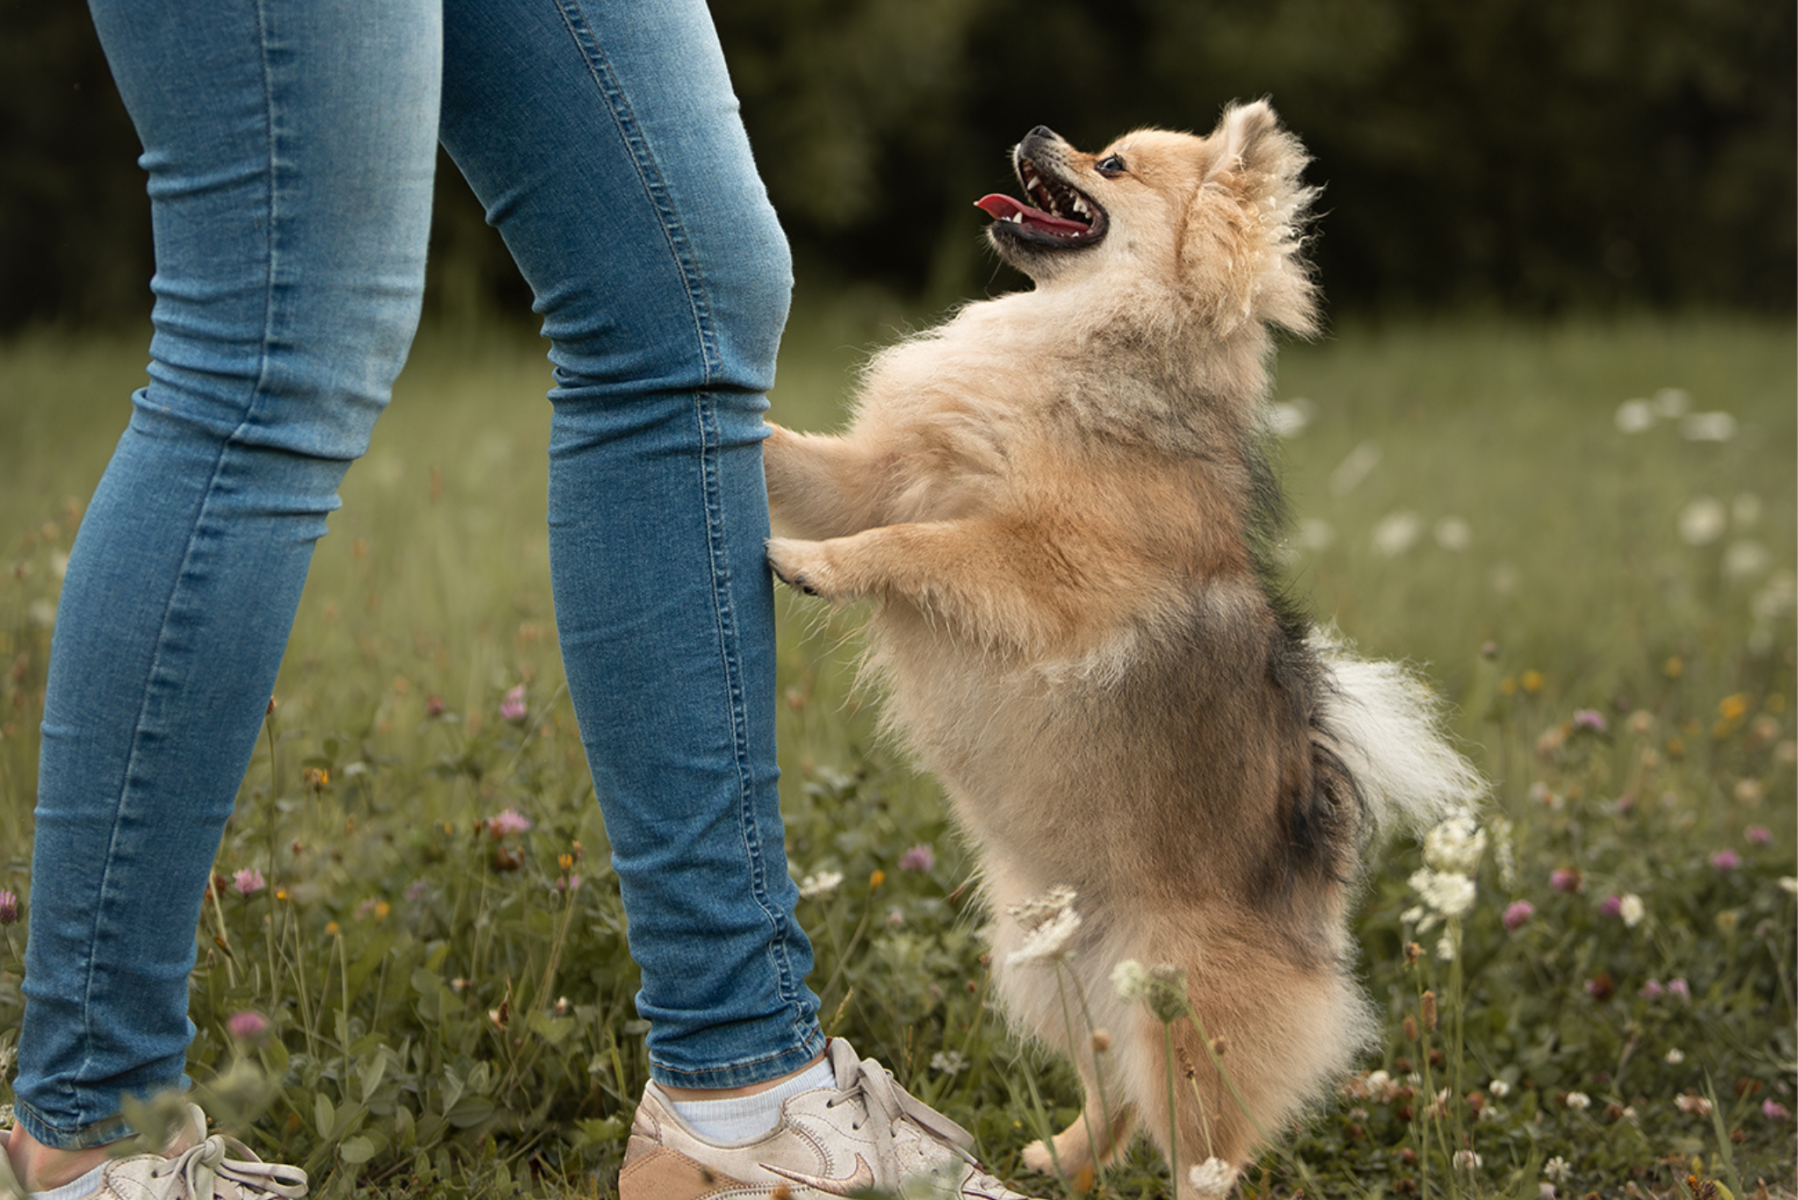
(1248, 141)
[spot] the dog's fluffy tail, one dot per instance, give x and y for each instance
(1387, 727)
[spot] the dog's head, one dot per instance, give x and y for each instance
(1214, 222)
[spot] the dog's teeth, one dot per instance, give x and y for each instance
(1080, 207)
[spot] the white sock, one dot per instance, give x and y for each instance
(85, 1186)
(744, 1117)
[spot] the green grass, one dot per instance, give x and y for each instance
(393, 933)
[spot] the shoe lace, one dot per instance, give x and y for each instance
(885, 1104)
(201, 1167)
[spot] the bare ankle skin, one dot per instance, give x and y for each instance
(40, 1168)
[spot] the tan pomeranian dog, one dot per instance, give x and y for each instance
(1058, 504)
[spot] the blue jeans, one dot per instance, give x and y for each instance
(290, 148)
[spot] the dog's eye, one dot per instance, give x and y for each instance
(1111, 166)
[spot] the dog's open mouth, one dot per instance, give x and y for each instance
(1061, 216)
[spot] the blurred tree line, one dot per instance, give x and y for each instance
(1541, 157)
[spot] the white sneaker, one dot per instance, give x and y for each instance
(865, 1133)
(193, 1167)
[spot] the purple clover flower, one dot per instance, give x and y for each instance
(1518, 914)
(921, 857)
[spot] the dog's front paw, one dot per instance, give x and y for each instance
(801, 565)
(1037, 1158)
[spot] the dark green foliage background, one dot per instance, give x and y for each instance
(1599, 155)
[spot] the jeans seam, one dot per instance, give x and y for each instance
(649, 173)
(724, 614)
(262, 368)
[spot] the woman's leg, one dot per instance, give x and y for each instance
(290, 147)
(604, 140)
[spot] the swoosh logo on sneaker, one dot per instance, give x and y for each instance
(858, 1180)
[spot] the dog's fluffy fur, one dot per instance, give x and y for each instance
(1058, 504)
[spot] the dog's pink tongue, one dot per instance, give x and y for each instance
(1001, 207)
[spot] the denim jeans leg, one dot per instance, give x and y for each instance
(290, 146)
(663, 279)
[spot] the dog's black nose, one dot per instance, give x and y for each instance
(1043, 131)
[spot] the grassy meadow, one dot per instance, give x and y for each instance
(1604, 591)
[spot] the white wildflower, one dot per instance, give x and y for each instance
(1499, 1088)
(1630, 1114)
(1504, 852)
(1454, 534)
(1578, 1101)
(1396, 533)
(1467, 1160)
(821, 884)
(1289, 418)
(1675, 1056)
(1632, 910)
(1455, 845)
(1314, 533)
(1557, 1170)
(1130, 980)
(1708, 427)
(1213, 1177)
(1702, 521)
(1634, 416)
(1672, 402)
(1445, 946)
(1049, 941)
(1492, 1112)
(1041, 910)
(1789, 884)
(1445, 892)
(1693, 1103)
(948, 1062)
(1382, 1086)
(1353, 470)
(1746, 559)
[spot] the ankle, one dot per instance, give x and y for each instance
(41, 1168)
